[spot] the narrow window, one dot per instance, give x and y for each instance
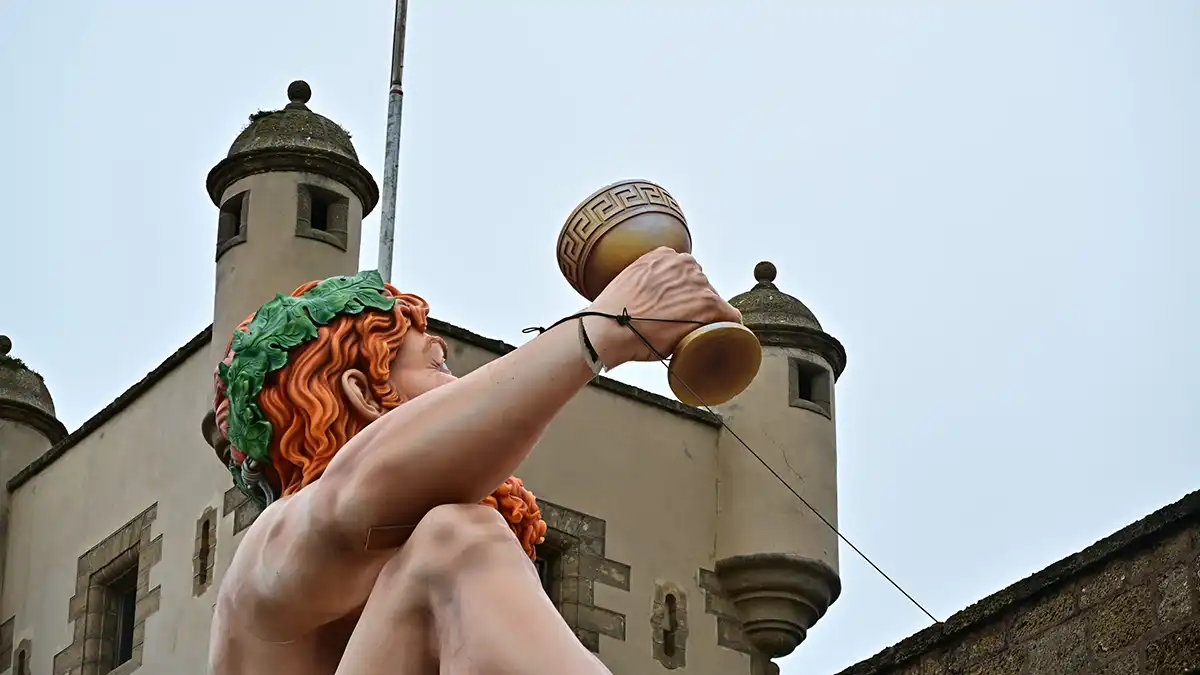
(202, 554)
(543, 571)
(670, 625)
(22, 663)
(320, 212)
(548, 571)
(122, 602)
(231, 223)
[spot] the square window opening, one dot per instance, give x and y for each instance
(811, 386)
(322, 210)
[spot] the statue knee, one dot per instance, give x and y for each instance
(444, 545)
(453, 536)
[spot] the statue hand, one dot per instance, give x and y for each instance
(662, 284)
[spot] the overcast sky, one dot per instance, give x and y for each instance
(992, 205)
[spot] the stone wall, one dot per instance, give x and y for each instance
(1127, 605)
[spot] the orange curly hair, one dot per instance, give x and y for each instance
(311, 420)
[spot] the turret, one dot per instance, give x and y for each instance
(777, 561)
(292, 196)
(28, 428)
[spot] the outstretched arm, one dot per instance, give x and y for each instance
(456, 443)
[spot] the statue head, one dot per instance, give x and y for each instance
(308, 371)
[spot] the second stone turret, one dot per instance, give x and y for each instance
(777, 559)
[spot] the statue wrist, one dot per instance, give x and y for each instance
(606, 339)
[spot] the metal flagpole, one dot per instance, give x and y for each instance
(391, 152)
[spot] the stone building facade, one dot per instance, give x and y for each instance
(115, 538)
(1127, 605)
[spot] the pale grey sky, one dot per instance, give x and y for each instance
(992, 204)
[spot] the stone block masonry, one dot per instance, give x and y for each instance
(574, 549)
(6, 642)
(112, 601)
(729, 628)
(1128, 605)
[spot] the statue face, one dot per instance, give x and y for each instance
(420, 365)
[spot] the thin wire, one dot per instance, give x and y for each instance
(661, 359)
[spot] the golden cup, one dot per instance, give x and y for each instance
(617, 225)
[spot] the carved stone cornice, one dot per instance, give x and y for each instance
(777, 597)
(799, 337)
(307, 160)
(33, 416)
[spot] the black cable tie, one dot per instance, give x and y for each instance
(623, 319)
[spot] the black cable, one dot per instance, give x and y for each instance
(623, 319)
(626, 320)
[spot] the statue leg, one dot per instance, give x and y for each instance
(461, 598)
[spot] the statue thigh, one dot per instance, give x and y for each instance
(436, 602)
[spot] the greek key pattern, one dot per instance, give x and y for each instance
(603, 211)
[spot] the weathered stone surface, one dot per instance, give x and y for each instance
(1177, 653)
(1125, 663)
(204, 553)
(729, 628)
(1047, 613)
(607, 572)
(1128, 605)
(589, 639)
(1175, 598)
(23, 657)
(602, 621)
(6, 641)
(575, 542)
(669, 625)
(1172, 549)
(730, 635)
(1061, 650)
(1122, 621)
(1102, 584)
(233, 498)
(933, 664)
(245, 515)
(1008, 663)
(977, 646)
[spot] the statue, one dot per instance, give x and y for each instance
(384, 545)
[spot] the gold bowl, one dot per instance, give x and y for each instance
(620, 223)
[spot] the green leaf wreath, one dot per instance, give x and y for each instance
(279, 326)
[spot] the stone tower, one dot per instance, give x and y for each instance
(776, 560)
(28, 428)
(292, 196)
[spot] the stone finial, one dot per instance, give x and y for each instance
(764, 272)
(5, 345)
(299, 94)
(765, 305)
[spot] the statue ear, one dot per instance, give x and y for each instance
(357, 389)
